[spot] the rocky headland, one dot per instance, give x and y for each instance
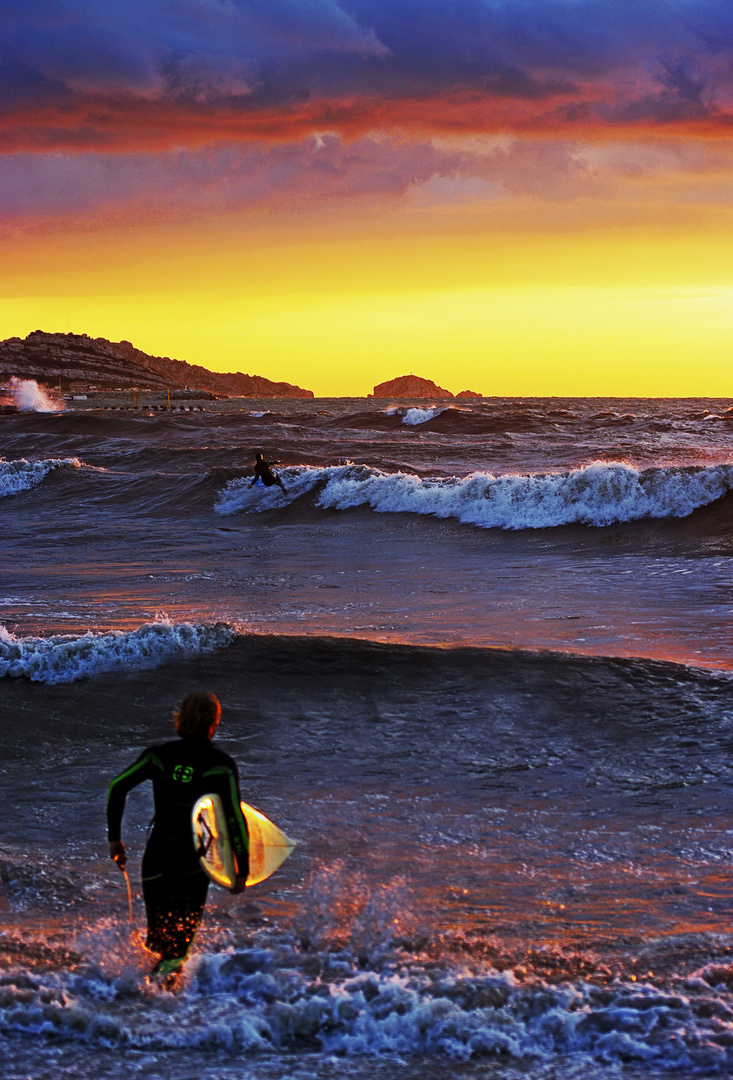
(69, 361)
(409, 386)
(413, 386)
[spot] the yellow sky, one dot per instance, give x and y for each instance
(488, 305)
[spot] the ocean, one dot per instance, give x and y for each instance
(477, 660)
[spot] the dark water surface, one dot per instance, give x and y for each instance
(476, 662)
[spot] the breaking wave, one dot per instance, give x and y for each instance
(415, 416)
(20, 475)
(260, 1000)
(599, 494)
(64, 658)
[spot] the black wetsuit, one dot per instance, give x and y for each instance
(174, 885)
(264, 473)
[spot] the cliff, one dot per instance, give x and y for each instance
(63, 359)
(410, 386)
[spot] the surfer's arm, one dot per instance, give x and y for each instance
(227, 786)
(118, 852)
(240, 843)
(238, 826)
(139, 771)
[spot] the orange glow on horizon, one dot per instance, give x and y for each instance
(473, 298)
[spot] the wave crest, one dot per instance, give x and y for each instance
(598, 495)
(20, 475)
(64, 658)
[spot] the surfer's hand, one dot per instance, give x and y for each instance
(117, 852)
(239, 885)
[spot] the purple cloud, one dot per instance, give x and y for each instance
(123, 74)
(328, 171)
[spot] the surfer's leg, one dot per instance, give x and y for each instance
(174, 905)
(187, 907)
(155, 897)
(174, 908)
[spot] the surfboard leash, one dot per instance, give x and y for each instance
(129, 888)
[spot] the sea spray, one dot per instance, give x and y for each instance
(66, 658)
(30, 397)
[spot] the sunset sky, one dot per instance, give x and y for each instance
(526, 197)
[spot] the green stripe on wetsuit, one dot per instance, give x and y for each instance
(118, 789)
(237, 825)
(148, 758)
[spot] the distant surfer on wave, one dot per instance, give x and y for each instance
(181, 771)
(264, 473)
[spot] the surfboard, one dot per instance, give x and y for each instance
(269, 847)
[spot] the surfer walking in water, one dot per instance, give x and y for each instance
(264, 473)
(181, 771)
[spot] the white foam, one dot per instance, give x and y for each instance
(599, 494)
(237, 495)
(414, 417)
(30, 397)
(65, 658)
(232, 1003)
(20, 475)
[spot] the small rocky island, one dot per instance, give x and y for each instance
(413, 386)
(77, 361)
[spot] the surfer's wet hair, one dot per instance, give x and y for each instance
(196, 714)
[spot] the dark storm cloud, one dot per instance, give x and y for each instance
(128, 73)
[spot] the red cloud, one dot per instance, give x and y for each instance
(128, 124)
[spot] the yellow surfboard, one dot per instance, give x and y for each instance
(269, 847)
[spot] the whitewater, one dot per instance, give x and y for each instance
(476, 659)
(598, 494)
